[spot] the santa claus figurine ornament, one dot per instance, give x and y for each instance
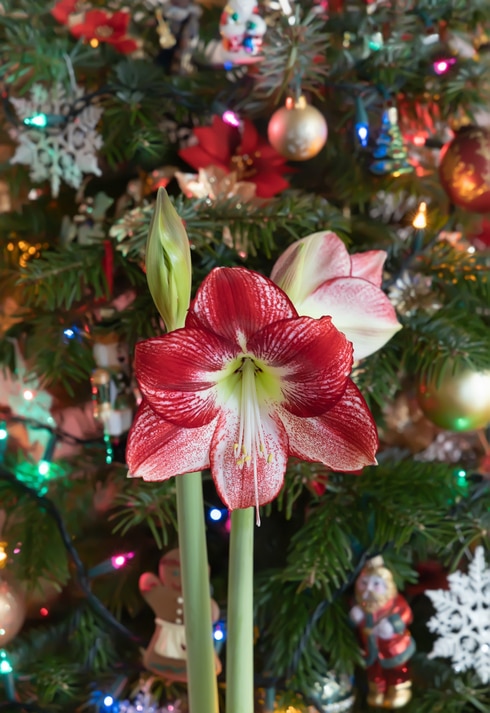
(382, 617)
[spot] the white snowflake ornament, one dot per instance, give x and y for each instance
(463, 619)
(63, 151)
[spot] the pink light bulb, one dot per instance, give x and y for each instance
(441, 66)
(229, 117)
(119, 561)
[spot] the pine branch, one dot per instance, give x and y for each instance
(448, 339)
(58, 280)
(264, 228)
(49, 507)
(153, 504)
(292, 62)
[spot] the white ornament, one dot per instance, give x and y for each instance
(57, 153)
(463, 619)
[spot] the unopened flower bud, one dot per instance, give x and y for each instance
(168, 263)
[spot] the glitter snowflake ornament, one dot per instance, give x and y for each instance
(57, 147)
(463, 619)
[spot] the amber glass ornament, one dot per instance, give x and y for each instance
(298, 131)
(459, 401)
(464, 169)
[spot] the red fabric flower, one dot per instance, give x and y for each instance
(65, 8)
(245, 384)
(242, 151)
(106, 27)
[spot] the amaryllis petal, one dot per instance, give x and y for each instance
(344, 438)
(309, 263)
(157, 450)
(243, 481)
(236, 303)
(369, 265)
(359, 309)
(321, 278)
(247, 382)
(183, 391)
(313, 358)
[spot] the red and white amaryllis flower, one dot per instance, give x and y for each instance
(245, 384)
(321, 278)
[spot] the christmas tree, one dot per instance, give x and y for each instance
(333, 161)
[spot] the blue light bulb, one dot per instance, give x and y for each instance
(215, 514)
(362, 132)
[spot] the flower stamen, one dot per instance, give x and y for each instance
(251, 439)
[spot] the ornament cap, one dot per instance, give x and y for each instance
(375, 562)
(299, 103)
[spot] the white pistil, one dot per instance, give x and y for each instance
(251, 441)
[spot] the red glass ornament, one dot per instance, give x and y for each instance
(464, 170)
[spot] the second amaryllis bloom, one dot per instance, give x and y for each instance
(321, 278)
(245, 384)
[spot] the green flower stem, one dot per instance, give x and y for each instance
(202, 687)
(239, 646)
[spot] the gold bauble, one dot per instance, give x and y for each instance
(298, 131)
(460, 401)
(12, 609)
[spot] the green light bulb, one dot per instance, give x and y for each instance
(44, 467)
(5, 666)
(40, 121)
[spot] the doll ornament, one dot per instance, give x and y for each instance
(166, 653)
(381, 616)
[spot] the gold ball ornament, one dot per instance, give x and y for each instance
(298, 131)
(460, 401)
(12, 609)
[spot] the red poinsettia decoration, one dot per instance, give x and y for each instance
(65, 9)
(109, 27)
(245, 384)
(240, 150)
